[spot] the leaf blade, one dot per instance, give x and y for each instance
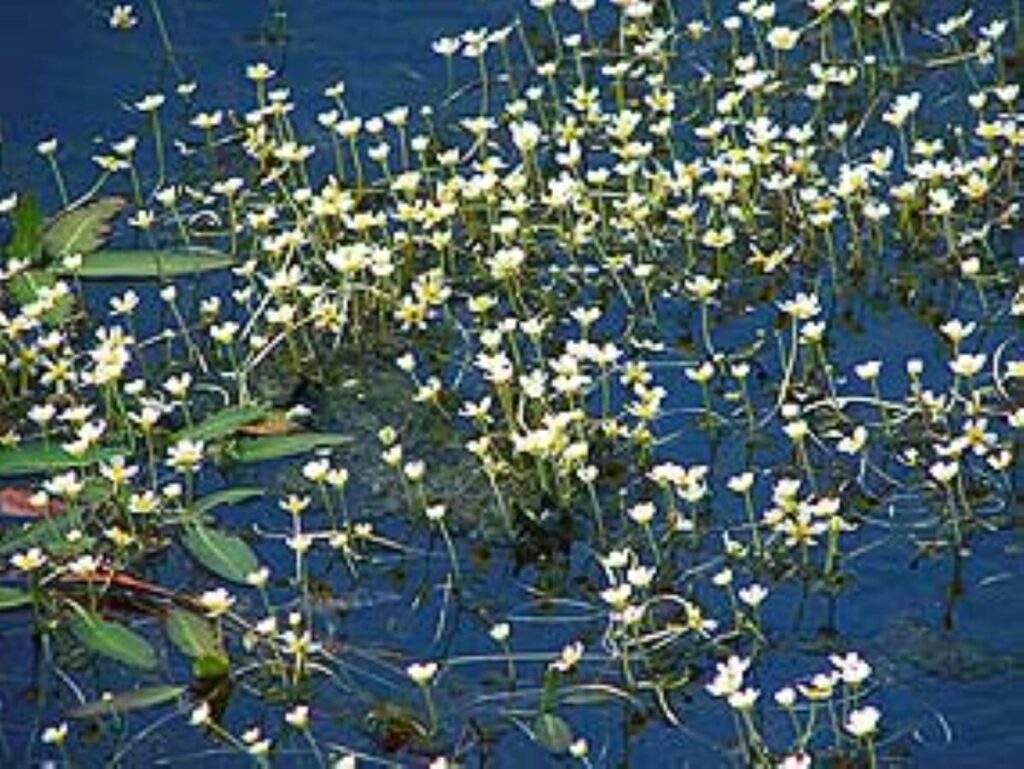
(81, 230)
(114, 640)
(226, 555)
(194, 636)
(151, 264)
(267, 447)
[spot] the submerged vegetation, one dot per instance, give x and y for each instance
(579, 405)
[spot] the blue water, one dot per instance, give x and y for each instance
(64, 73)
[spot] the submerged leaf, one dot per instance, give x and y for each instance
(226, 555)
(278, 446)
(114, 640)
(141, 265)
(125, 702)
(552, 732)
(81, 230)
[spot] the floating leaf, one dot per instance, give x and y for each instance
(260, 449)
(39, 458)
(194, 636)
(223, 423)
(228, 497)
(81, 230)
(13, 598)
(552, 732)
(211, 666)
(114, 640)
(141, 265)
(125, 702)
(226, 555)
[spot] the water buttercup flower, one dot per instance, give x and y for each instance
(421, 673)
(122, 17)
(863, 722)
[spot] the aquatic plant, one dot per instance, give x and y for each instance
(563, 368)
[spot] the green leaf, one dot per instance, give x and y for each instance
(114, 640)
(125, 702)
(552, 732)
(142, 265)
(81, 230)
(194, 636)
(39, 458)
(225, 422)
(226, 555)
(24, 289)
(228, 497)
(211, 666)
(50, 531)
(13, 598)
(267, 447)
(27, 242)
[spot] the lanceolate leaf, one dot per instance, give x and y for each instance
(39, 459)
(81, 230)
(114, 640)
(228, 497)
(226, 555)
(223, 423)
(277, 446)
(142, 265)
(13, 598)
(194, 636)
(125, 702)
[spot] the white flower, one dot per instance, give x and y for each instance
(863, 722)
(783, 38)
(200, 715)
(55, 735)
(801, 307)
(421, 673)
(150, 103)
(500, 632)
(30, 560)
(186, 455)
(122, 17)
(216, 602)
(570, 656)
(298, 716)
(753, 595)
